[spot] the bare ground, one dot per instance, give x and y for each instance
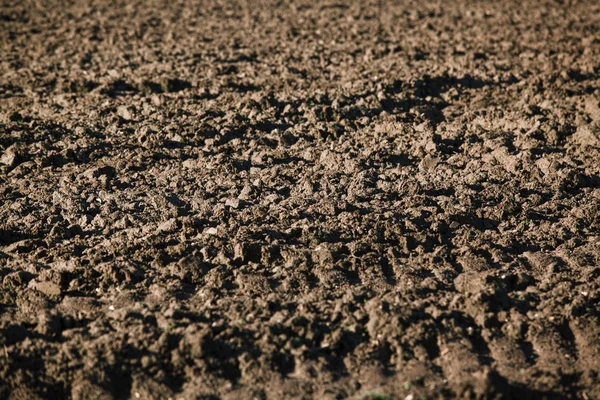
(298, 199)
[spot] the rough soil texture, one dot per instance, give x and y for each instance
(273, 200)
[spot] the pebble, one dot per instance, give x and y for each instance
(124, 113)
(233, 203)
(211, 231)
(428, 163)
(10, 157)
(50, 289)
(168, 226)
(97, 172)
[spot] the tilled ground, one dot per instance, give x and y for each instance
(271, 200)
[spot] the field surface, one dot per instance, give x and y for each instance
(299, 199)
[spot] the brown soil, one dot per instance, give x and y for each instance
(298, 199)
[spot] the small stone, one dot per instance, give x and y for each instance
(190, 163)
(50, 289)
(176, 138)
(245, 193)
(124, 113)
(239, 252)
(430, 146)
(544, 165)
(168, 226)
(10, 157)
(429, 163)
(97, 172)
(155, 100)
(272, 198)
(233, 203)
(211, 231)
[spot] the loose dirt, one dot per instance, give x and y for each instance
(298, 199)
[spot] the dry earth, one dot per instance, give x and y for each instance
(299, 199)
